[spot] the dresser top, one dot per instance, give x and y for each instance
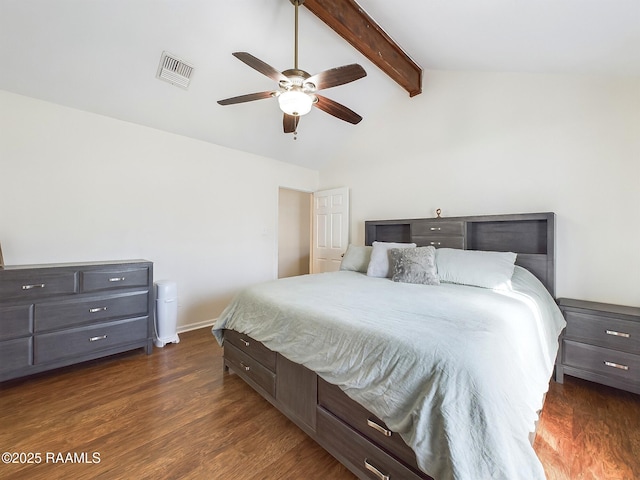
(72, 264)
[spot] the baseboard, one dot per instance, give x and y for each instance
(195, 326)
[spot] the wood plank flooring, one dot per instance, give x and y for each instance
(175, 415)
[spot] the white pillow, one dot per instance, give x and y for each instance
(379, 263)
(356, 259)
(475, 267)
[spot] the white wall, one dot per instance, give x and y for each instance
(486, 143)
(76, 186)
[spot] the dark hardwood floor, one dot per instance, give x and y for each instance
(175, 415)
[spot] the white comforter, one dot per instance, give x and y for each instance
(459, 372)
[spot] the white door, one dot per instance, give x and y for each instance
(330, 229)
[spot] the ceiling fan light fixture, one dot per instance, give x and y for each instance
(295, 102)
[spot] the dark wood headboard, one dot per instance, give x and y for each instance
(530, 235)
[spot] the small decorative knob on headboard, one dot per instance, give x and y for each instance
(438, 212)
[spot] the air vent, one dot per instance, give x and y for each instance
(175, 71)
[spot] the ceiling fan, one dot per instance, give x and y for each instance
(297, 90)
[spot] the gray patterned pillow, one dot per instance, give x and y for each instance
(414, 265)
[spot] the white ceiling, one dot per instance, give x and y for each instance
(102, 56)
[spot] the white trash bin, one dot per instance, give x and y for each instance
(166, 323)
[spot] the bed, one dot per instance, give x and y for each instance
(399, 379)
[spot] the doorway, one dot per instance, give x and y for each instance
(294, 232)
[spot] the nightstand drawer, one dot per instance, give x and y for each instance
(15, 321)
(54, 315)
(252, 348)
(250, 369)
(437, 227)
(50, 347)
(603, 331)
(602, 360)
(27, 285)
(94, 280)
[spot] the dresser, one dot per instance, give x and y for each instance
(601, 343)
(61, 314)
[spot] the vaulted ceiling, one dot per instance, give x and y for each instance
(102, 56)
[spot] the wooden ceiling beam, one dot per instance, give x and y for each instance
(353, 24)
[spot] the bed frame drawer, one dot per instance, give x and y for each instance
(437, 227)
(252, 371)
(334, 400)
(443, 241)
(359, 454)
(438, 233)
(252, 347)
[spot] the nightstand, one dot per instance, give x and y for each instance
(601, 343)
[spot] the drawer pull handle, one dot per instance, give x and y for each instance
(435, 229)
(98, 309)
(117, 279)
(379, 428)
(246, 344)
(617, 334)
(616, 365)
(31, 287)
(375, 471)
(95, 339)
(246, 367)
(435, 243)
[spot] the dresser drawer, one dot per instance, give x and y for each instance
(250, 369)
(94, 280)
(16, 321)
(611, 363)
(437, 227)
(251, 347)
(443, 241)
(54, 315)
(334, 400)
(15, 354)
(28, 285)
(603, 331)
(357, 453)
(54, 346)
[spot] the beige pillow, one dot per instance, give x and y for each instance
(356, 258)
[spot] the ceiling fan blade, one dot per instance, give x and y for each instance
(337, 76)
(260, 66)
(290, 123)
(337, 110)
(246, 98)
